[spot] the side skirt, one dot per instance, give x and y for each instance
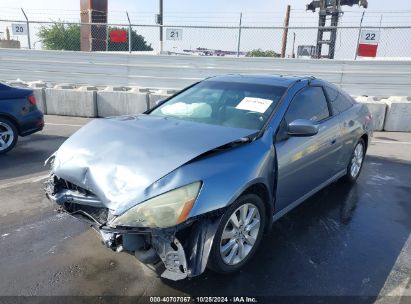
(294, 204)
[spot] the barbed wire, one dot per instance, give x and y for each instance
(298, 17)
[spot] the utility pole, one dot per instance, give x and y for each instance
(285, 32)
(239, 35)
(161, 24)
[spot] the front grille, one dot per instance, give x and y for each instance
(96, 214)
(70, 186)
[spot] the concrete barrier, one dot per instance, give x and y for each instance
(377, 109)
(157, 95)
(118, 88)
(65, 86)
(17, 83)
(41, 99)
(71, 102)
(398, 116)
(88, 88)
(114, 103)
(38, 92)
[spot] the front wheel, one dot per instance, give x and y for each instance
(356, 162)
(239, 234)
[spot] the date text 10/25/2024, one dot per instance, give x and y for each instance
(205, 299)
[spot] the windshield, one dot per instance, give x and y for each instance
(231, 104)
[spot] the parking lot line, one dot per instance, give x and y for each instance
(396, 285)
(34, 179)
(391, 142)
(66, 125)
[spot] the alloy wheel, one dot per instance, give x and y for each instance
(357, 160)
(240, 234)
(6, 136)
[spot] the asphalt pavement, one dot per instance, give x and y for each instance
(344, 241)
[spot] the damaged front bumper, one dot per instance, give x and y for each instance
(175, 253)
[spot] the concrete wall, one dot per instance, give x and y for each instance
(114, 103)
(377, 108)
(389, 114)
(398, 116)
(71, 102)
(392, 114)
(361, 77)
(11, 44)
(156, 96)
(41, 99)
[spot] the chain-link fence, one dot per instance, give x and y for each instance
(393, 43)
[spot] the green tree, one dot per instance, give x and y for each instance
(60, 36)
(261, 53)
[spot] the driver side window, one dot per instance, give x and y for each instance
(310, 103)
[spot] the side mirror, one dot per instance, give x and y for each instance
(303, 127)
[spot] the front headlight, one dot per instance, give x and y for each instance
(165, 210)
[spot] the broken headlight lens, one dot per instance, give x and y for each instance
(165, 210)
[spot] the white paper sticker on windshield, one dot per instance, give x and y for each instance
(254, 104)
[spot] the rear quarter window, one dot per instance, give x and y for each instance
(340, 101)
(310, 103)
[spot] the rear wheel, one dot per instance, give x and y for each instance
(239, 234)
(8, 135)
(356, 162)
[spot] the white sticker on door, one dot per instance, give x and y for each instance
(254, 104)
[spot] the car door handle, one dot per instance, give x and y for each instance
(333, 141)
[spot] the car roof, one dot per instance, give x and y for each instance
(275, 80)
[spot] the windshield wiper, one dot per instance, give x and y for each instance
(235, 143)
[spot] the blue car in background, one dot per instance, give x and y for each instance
(19, 115)
(197, 180)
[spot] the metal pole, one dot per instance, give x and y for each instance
(322, 17)
(161, 25)
(359, 35)
(129, 33)
(293, 54)
(239, 35)
(28, 28)
(107, 37)
(285, 32)
(335, 15)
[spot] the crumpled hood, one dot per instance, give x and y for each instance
(117, 159)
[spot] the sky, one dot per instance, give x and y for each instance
(194, 6)
(226, 13)
(189, 8)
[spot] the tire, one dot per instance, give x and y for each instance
(220, 259)
(356, 162)
(8, 135)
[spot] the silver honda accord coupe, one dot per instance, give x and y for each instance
(196, 181)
